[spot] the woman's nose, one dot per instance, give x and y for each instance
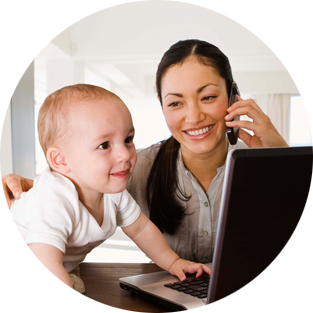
(194, 114)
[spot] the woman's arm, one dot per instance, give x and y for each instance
(265, 133)
(14, 185)
(151, 241)
(52, 281)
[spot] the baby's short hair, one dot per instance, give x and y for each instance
(53, 115)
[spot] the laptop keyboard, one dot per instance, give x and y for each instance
(197, 287)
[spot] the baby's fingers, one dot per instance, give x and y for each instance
(203, 269)
(206, 269)
(199, 271)
(180, 274)
(194, 268)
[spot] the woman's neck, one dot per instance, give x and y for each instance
(204, 167)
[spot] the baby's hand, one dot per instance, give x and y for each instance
(180, 267)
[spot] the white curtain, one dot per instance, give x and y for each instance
(277, 108)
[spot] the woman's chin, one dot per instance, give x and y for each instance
(206, 147)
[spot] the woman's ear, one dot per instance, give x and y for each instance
(57, 161)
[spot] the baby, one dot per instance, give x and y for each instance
(86, 133)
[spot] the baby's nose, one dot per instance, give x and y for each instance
(123, 154)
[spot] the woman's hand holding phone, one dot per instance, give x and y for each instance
(265, 133)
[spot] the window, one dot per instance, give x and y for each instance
(40, 96)
(148, 121)
(300, 134)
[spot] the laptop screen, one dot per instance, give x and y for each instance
(265, 191)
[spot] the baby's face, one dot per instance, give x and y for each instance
(100, 151)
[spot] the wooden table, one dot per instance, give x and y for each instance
(102, 284)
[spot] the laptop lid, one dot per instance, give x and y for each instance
(264, 194)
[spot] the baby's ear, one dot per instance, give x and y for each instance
(57, 161)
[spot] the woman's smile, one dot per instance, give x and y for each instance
(200, 132)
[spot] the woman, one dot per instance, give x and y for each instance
(178, 182)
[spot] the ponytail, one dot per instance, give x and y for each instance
(166, 212)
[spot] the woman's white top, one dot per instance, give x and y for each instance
(195, 238)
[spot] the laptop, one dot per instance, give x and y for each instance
(264, 194)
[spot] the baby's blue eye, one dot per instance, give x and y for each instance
(105, 145)
(129, 139)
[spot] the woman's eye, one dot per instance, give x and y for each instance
(208, 98)
(105, 145)
(174, 104)
(129, 139)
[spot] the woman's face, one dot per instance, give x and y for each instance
(195, 101)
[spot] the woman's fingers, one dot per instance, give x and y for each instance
(244, 103)
(248, 109)
(263, 136)
(12, 187)
(26, 184)
(15, 186)
(250, 141)
(245, 124)
(245, 137)
(265, 133)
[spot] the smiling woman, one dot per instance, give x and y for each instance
(183, 175)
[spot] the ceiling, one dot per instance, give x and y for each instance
(123, 45)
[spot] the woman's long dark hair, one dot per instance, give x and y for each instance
(163, 189)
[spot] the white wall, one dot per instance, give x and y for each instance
(124, 45)
(125, 59)
(276, 82)
(48, 19)
(63, 72)
(141, 28)
(5, 112)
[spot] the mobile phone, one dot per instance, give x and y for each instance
(232, 132)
